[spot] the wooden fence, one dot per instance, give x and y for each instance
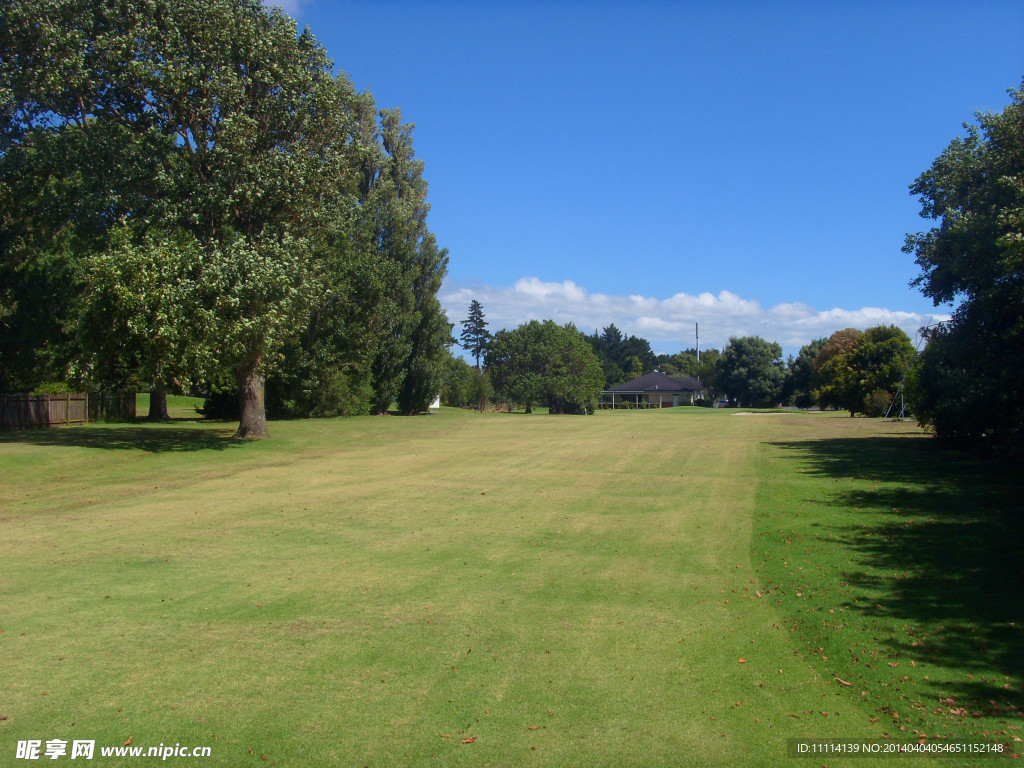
(21, 410)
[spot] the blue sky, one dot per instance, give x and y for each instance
(744, 165)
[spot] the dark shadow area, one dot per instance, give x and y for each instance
(121, 437)
(944, 567)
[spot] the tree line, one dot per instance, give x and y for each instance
(542, 363)
(965, 384)
(188, 197)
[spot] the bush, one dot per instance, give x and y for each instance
(877, 403)
(222, 406)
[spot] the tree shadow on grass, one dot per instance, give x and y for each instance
(127, 437)
(935, 550)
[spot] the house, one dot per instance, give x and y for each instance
(654, 390)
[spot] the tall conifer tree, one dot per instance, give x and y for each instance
(475, 337)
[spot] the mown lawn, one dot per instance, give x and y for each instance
(498, 590)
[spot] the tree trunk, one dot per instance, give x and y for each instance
(250, 397)
(158, 403)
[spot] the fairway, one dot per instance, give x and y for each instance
(472, 589)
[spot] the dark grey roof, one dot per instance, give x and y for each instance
(655, 381)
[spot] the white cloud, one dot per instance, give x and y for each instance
(668, 323)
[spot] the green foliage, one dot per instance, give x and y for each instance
(475, 336)
(141, 322)
(975, 256)
(707, 371)
(479, 390)
(881, 360)
(622, 357)
(869, 371)
(415, 333)
(968, 389)
(543, 363)
(455, 382)
(431, 336)
(685, 364)
(464, 385)
(190, 194)
(828, 372)
(751, 371)
(799, 385)
(680, 364)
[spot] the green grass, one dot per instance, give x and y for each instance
(899, 565)
(179, 407)
(563, 590)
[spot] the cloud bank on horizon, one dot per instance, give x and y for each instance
(668, 323)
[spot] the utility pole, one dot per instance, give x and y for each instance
(698, 342)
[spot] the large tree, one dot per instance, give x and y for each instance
(208, 146)
(546, 363)
(430, 337)
(866, 378)
(475, 336)
(231, 126)
(415, 332)
(827, 367)
(970, 388)
(751, 371)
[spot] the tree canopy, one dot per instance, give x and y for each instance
(862, 372)
(475, 336)
(968, 387)
(191, 174)
(751, 371)
(622, 357)
(543, 363)
(798, 387)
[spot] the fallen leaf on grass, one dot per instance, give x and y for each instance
(743, 661)
(470, 740)
(129, 741)
(532, 727)
(843, 682)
